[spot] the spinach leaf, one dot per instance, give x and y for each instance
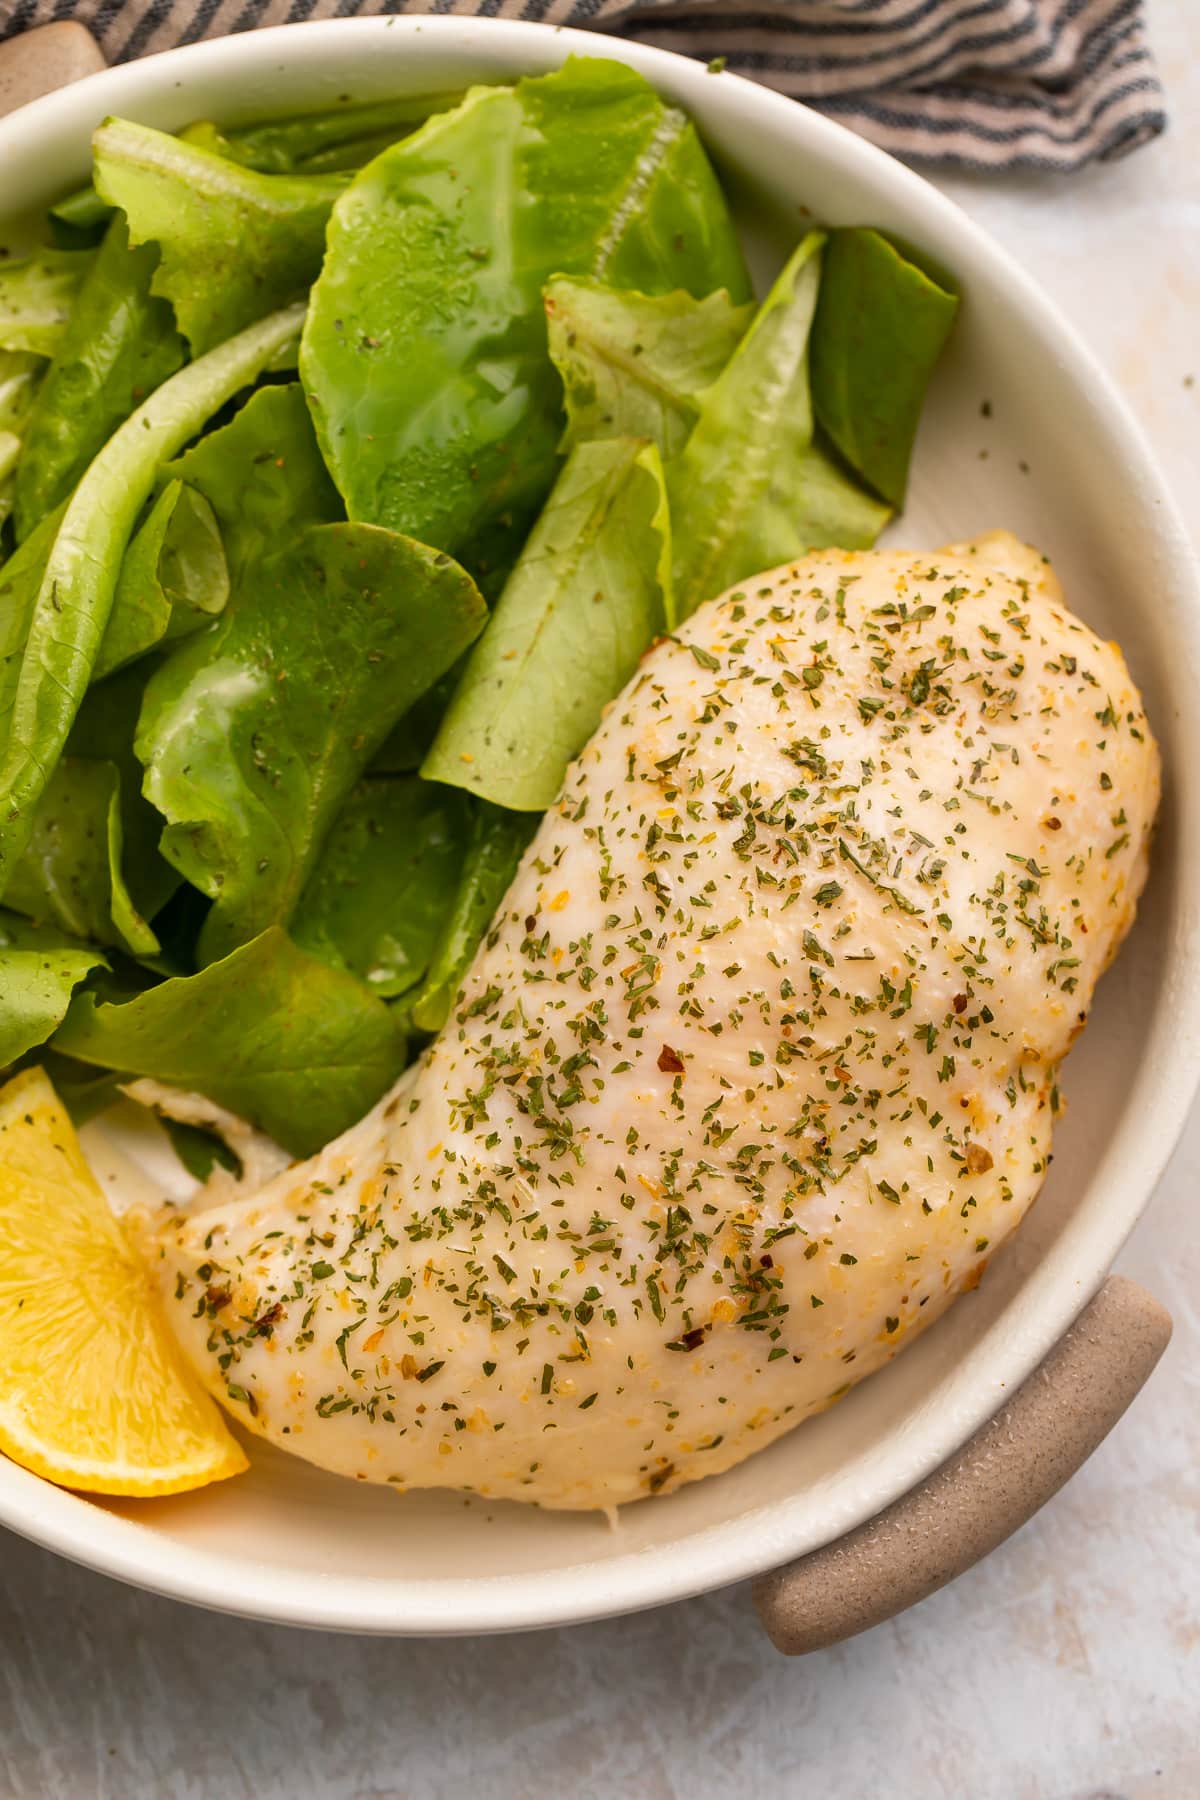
(298, 1049)
(634, 365)
(253, 734)
(344, 137)
(750, 489)
(262, 475)
(39, 971)
(424, 354)
(386, 879)
(173, 580)
(880, 327)
(233, 244)
(74, 598)
(591, 590)
(497, 841)
(36, 296)
(119, 345)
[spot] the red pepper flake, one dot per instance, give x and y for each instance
(670, 1061)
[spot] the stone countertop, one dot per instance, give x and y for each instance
(1066, 1667)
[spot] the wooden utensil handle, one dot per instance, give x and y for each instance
(39, 62)
(1007, 1471)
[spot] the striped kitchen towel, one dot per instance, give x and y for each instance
(982, 84)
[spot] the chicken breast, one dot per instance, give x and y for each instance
(756, 1067)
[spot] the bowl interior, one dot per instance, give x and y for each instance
(1054, 459)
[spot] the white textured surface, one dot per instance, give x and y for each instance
(1065, 1668)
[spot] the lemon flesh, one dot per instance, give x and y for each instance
(94, 1393)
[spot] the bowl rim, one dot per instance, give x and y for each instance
(1050, 1296)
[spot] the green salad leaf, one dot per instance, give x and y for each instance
(263, 476)
(380, 894)
(92, 866)
(409, 741)
(750, 490)
(84, 1091)
(590, 592)
(174, 579)
(343, 137)
(424, 354)
(20, 579)
(71, 873)
(36, 295)
(20, 374)
(634, 365)
(880, 327)
(47, 679)
(104, 731)
(496, 842)
(10, 450)
(253, 734)
(297, 1048)
(119, 344)
(79, 217)
(40, 969)
(234, 244)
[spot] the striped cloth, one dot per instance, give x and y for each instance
(982, 84)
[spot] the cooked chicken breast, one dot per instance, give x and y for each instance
(755, 1070)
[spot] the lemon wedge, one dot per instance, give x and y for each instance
(94, 1393)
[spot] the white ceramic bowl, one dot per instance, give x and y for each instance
(286, 1542)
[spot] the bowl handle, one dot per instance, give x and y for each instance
(1001, 1477)
(39, 62)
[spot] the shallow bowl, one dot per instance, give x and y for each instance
(1054, 456)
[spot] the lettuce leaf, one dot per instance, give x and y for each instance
(234, 244)
(20, 375)
(36, 295)
(263, 476)
(20, 580)
(297, 1048)
(496, 842)
(40, 968)
(43, 682)
(71, 874)
(880, 327)
(634, 365)
(92, 866)
(174, 579)
(385, 882)
(751, 490)
(424, 354)
(343, 137)
(119, 344)
(592, 589)
(253, 733)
